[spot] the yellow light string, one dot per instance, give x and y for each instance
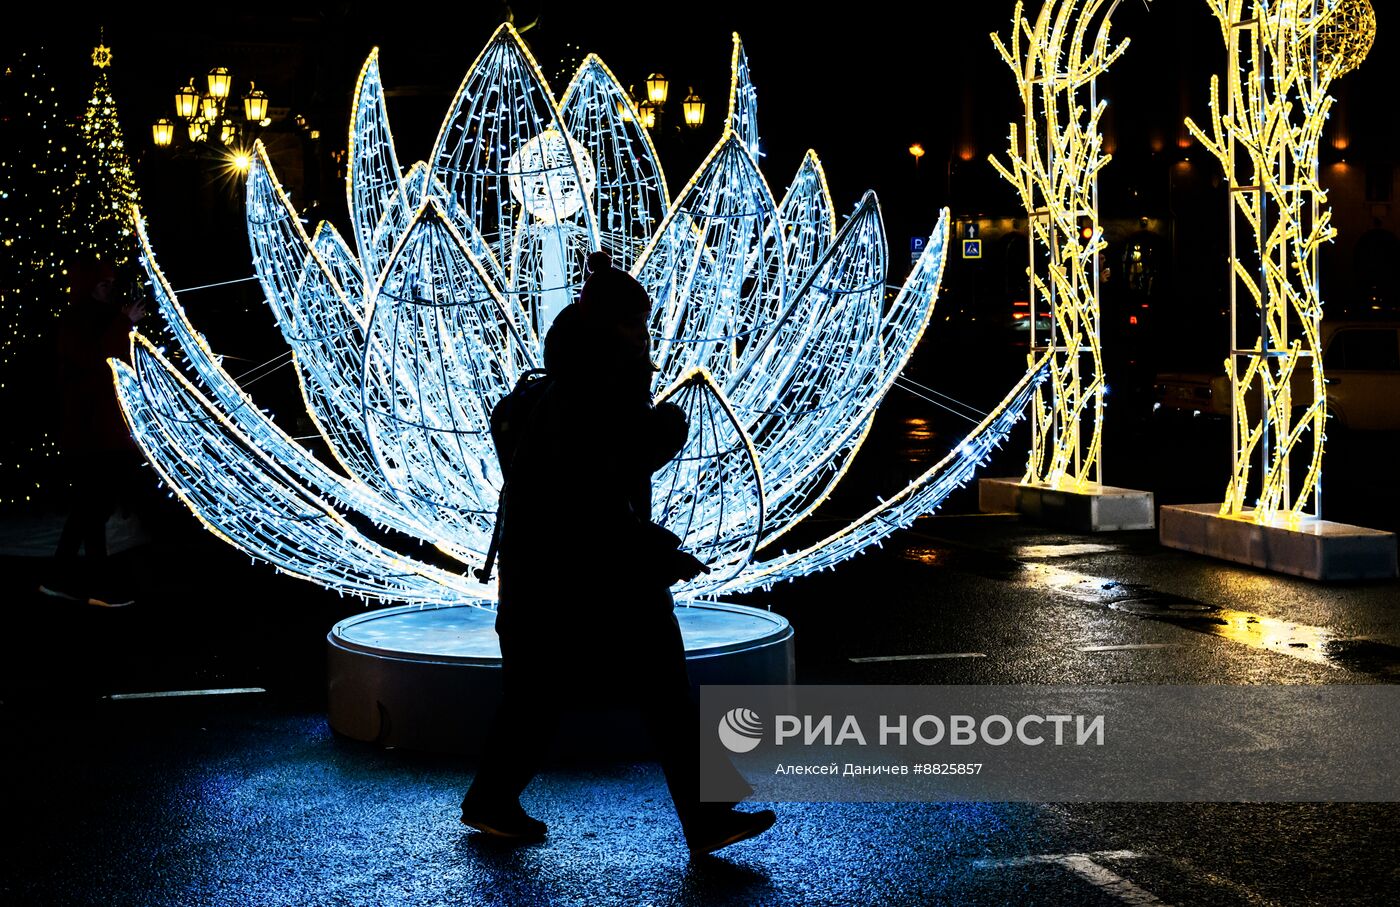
(1277, 103)
(1056, 175)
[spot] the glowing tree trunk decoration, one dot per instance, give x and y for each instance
(1266, 137)
(1055, 168)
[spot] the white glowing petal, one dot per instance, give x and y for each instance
(809, 221)
(373, 183)
(631, 190)
(282, 252)
(252, 502)
(238, 409)
(318, 323)
(743, 100)
(439, 356)
(395, 218)
(710, 494)
(921, 496)
(802, 470)
(343, 266)
(822, 370)
(715, 269)
(501, 106)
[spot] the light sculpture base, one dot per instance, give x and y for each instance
(429, 678)
(1315, 549)
(1103, 508)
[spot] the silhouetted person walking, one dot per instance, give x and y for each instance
(576, 529)
(100, 455)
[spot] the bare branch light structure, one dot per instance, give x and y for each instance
(1055, 167)
(771, 327)
(1282, 56)
(1266, 136)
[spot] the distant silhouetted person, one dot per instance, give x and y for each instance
(98, 451)
(586, 615)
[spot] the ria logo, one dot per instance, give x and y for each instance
(740, 730)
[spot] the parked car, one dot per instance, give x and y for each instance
(1360, 361)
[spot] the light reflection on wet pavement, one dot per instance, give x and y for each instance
(1029, 564)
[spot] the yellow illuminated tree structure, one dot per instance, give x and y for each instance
(1266, 136)
(1054, 165)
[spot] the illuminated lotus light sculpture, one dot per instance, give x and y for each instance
(772, 330)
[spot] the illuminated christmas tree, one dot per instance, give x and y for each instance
(36, 174)
(103, 187)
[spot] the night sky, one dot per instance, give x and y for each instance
(858, 86)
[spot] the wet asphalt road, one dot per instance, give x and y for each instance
(250, 799)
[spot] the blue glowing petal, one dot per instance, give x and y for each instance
(502, 111)
(710, 494)
(715, 268)
(441, 352)
(809, 220)
(373, 182)
(743, 100)
(343, 266)
(417, 185)
(814, 448)
(805, 387)
(631, 191)
(240, 409)
(833, 374)
(461, 220)
(394, 220)
(921, 496)
(317, 321)
(253, 503)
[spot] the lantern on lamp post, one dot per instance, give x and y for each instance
(187, 101)
(694, 109)
(206, 114)
(254, 104)
(219, 83)
(657, 88)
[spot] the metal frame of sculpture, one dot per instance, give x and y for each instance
(1054, 166)
(1266, 137)
(772, 331)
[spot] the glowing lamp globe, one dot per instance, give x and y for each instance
(1346, 34)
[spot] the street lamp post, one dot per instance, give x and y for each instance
(206, 118)
(650, 110)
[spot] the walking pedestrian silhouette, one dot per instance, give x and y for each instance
(575, 520)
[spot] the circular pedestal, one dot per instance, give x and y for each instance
(429, 678)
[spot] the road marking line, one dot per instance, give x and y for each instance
(171, 694)
(1130, 646)
(1083, 865)
(1057, 857)
(1107, 881)
(918, 657)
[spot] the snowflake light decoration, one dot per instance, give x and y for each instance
(773, 330)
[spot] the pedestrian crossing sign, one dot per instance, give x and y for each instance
(972, 248)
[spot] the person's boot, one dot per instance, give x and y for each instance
(721, 829)
(508, 821)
